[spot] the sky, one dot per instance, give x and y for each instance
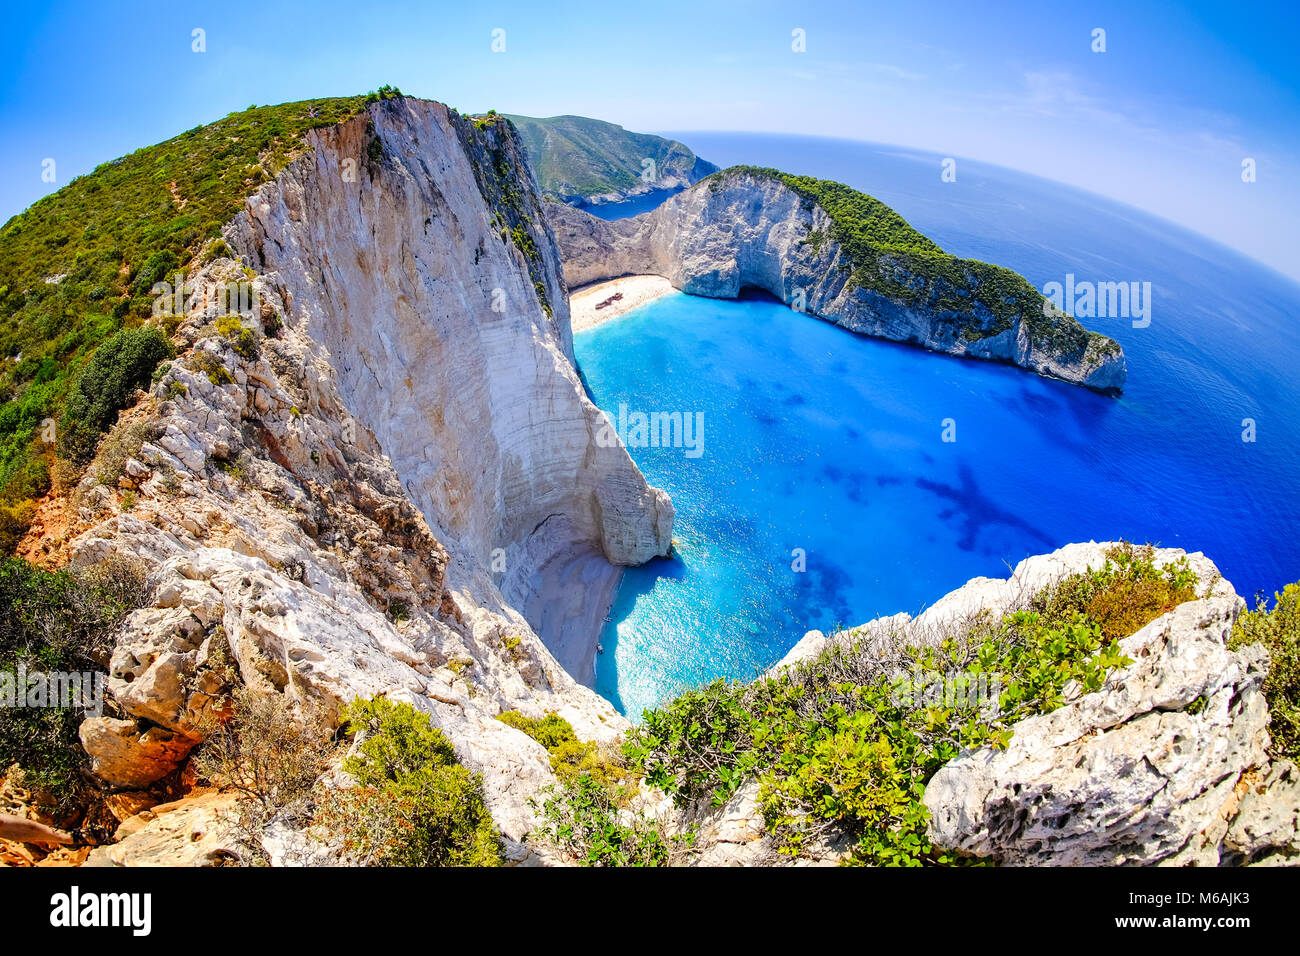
(1163, 119)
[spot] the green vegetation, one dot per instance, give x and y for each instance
(57, 621)
(487, 139)
(241, 338)
(842, 746)
(385, 92)
(574, 157)
(572, 758)
(583, 820)
(118, 367)
(888, 256)
(414, 804)
(77, 269)
(584, 816)
(1279, 631)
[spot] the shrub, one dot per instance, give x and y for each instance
(584, 823)
(1279, 631)
(267, 749)
(121, 365)
(58, 621)
(570, 757)
(212, 367)
(31, 480)
(15, 519)
(414, 804)
(123, 443)
(271, 752)
(156, 268)
(241, 338)
(1125, 594)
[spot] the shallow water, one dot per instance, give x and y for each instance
(819, 440)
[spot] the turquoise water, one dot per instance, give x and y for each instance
(819, 440)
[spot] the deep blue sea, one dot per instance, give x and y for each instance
(631, 207)
(819, 440)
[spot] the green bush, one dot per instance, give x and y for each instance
(571, 758)
(120, 366)
(156, 268)
(15, 519)
(1123, 595)
(241, 338)
(583, 815)
(842, 746)
(1279, 631)
(583, 821)
(57, 621)
(414, 804)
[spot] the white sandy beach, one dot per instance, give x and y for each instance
(636, 290)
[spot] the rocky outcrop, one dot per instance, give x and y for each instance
(193, 832)
(1266, 829)
(740, 229)
(350, 496)
(1144, 771)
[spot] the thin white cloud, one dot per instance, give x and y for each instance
(892, 70)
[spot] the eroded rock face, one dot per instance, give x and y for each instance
(449, 341)
(1139, 772)
(1266, 829)
(724, 234)
(129, 754)
(193, 832)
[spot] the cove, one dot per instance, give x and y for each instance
(825, 450)
(829, 446)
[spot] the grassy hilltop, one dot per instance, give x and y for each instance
(76, 270)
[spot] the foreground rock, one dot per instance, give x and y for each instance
(739, 229)
(1145, 771)
(193, 832)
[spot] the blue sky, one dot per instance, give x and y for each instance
(1161, 120)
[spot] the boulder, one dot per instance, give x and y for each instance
(191, 832)
(1140, 772)
(124, 753)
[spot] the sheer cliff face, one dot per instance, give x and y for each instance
(744, 230)
(411, 247)
(378, 496)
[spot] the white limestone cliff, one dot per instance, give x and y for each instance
(739, 229)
